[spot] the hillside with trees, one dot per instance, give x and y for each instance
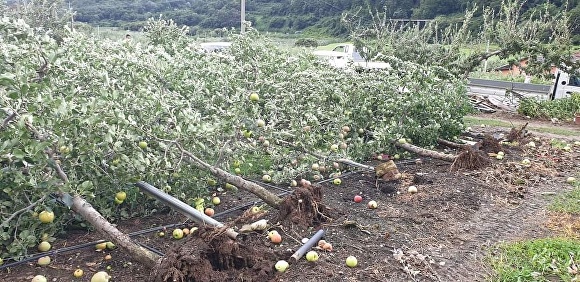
(288, 16)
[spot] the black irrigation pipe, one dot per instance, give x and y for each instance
(85, 245)
(153, 229)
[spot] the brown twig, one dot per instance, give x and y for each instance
(8, 119)
(13, 215)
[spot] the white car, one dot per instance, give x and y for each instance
(215, 47)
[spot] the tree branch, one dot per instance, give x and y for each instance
(8, 119)
(86, 210)
(268, 197)
(16, 213)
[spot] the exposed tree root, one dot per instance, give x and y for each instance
(517, 134)
(212, 257)
(303, 207)
(490, 144)
(471, 159)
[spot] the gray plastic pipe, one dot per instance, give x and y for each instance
(308, 245)
(183, 208)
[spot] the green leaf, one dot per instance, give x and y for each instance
(67, 199)
(19, 154)
(7, 79)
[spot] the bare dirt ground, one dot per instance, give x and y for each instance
(441, 233)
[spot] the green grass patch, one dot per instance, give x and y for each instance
(568, 202)
(331, 46)
(534, 260)
(476, 121)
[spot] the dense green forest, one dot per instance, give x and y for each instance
(287, 16)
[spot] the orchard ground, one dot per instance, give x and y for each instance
(444, 232)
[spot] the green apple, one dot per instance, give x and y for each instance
(570, 180)
(260, 123)
(266, 178)
(44, 246)
(281, 265)
(334, 147)
(231, 187)
(177, 233)
(101, 276)
(216, 200)
(46, 216)
(39, 278)
(312, 256)
(315, 167)
(143, 145)
(254, 97)
(78, 273)
(64, 149)
(372, 205)
(44, 261)
(255, 210)
(121, 195)
(337, 181)
(351, 261)
(111, 246)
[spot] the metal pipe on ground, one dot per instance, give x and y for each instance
(183, 208)
(308, 245)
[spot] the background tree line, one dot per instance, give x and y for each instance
(288, 16)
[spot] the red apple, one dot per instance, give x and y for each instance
(209, 211)
(358, 198)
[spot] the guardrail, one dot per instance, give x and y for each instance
(516, 86)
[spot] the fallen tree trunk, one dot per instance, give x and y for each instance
(84, 209)
(451, 144)
(426, 153)
(268, 197)
(93, 217)
(470, 158)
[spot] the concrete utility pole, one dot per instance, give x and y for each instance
(243, 17)
(72, 20)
